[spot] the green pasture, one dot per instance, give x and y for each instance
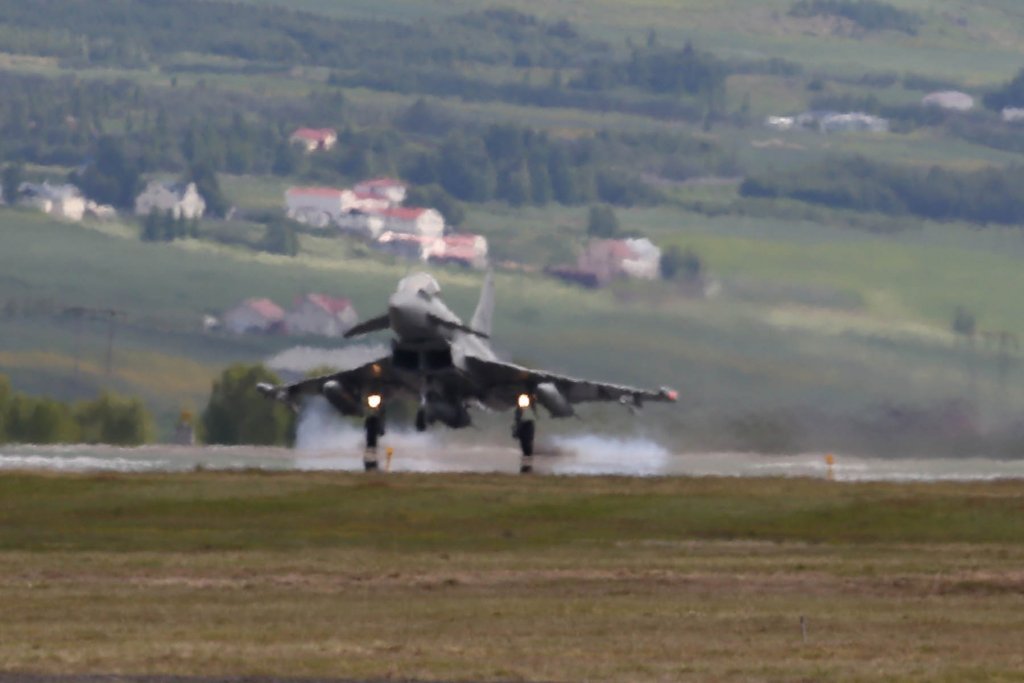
(437, 577)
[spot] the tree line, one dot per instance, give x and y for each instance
(991, 195)
(869, 15)
(140, 33)
(108, 419)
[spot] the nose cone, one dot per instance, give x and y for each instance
(408, 314)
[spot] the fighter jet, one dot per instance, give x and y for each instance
(449, 367)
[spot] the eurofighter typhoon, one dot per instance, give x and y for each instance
(449, 367)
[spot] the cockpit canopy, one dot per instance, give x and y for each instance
(423, 283)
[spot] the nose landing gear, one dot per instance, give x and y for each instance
(374, 425)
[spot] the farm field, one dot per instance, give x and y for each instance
(483, 577)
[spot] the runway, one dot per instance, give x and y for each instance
(569, 456)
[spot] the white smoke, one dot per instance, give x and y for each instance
(320, 428)
(595, 454)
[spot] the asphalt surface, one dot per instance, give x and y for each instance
(584, 455)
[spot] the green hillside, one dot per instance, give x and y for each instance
(830, 320)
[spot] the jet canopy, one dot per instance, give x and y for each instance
(420, 282)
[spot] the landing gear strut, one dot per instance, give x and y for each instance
(523, 431)
(374, 425)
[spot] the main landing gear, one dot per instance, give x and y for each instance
(523, 430)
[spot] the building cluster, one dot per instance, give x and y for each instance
(181, 200)
(829, 122)
(374, 211)
(311, 315)
(67, 202)
(60, 201)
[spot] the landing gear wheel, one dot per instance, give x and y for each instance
(421, 420)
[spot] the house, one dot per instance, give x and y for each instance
(62, 201)
(318, 314)
(780, 122)
(604, 259)
(404, 245)
(953, 100)
(465, 250)
(414, 221)
(314, 139)
(181, 199)
(370, 225)
(645, 259)
(321, 206)
(385, 188)
(831, 122)
(854, 122)
(609, 259)
(1013, 115)
(316, 206)
(254, 316)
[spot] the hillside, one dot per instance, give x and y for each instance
(831, 323)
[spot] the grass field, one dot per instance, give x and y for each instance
(504, 578)
(810, 316)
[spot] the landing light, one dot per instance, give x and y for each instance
(524, 400)
(373, 400)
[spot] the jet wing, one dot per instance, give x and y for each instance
(345, 386)
(492, 375)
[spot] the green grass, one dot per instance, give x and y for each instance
(757, 347)
(481, 513)
(503, 578)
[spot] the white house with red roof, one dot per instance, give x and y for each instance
(254, 315)
(314, 139)
(465, 250)
(388, 189)
(321, 315)
(414, 220)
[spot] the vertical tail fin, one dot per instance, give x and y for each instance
(484, 314)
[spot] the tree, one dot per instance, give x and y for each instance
(152, 228)
(602, 221)
(679, 262)
(13, 176)
(45, 420)
(237, 414)
(964, 322)
(435, 197)
(113, 420)
(112, 178)
(281, 238)
(5, 398)
(205, 178)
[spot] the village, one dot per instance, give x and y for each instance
(373, 211)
